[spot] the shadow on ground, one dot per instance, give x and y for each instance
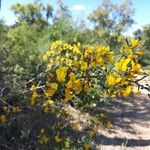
(131, 122)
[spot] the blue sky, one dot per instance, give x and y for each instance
(81, 8)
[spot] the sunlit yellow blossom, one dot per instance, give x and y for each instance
(127, 91)
(93, 64)
(100, 61)
(122, 65)
(61, 73)
(139, 53)
(33, 87)
(77, 86)
(76, 50)
(135, 67)
(48, 102)
(72, 76)
(135, 43)
(68, 95)
(128, 51)
(110, 80)
(136, 92)
(69, 85)
(33, 97)
(113, 79)
(84, 66)
(54, 86)
(52, 89)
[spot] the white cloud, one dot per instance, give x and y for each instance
(79, 7)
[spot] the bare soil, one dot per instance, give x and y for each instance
(131, 123)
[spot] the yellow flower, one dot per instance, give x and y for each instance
(100, 61)
(77, 86)
(54, 86)
(87, 146)
(52, 89)
(69, 85)
(72, 76)
(135, 43)
(128, 50)
(122, 65)
(33, 97)
(76, 50)
(61, 73)
(136, 92)
(135, 67)
(93, 64)
(84, 66)
(16, 109)
(50, 92)
(57, 138)
(139, 53)
(68, 95)
(110, 80)
(127, 91)
(48, 102)
(33, 87)
(3, 118)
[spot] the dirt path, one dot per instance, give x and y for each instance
(131, 125)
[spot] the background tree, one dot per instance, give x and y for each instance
(111, 20)
(33, 14)
(145, 34)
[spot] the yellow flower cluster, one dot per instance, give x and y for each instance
(73, 70)
(125, 70)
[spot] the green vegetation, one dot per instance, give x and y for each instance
(48, 63)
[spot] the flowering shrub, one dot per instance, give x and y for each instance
(78, 73)
(80, 76)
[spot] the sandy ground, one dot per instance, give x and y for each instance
(131, 124)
